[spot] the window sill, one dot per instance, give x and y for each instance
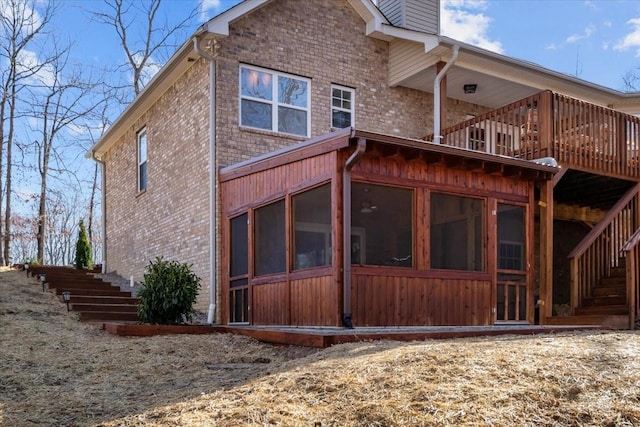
(141, 192)
(275, 134)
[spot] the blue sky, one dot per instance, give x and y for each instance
(598, 41)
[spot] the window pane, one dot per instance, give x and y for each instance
(142, 147)
(381, 225)
(511, 237)
(142, 176)
(292, 91)
(312, 219)
(457, 232)
(292, 121)
(239, 246)
(257, 84)
(340, 119)
(270, 239)
(256, 114)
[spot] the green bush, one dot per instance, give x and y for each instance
(83, 250)
(168, 293)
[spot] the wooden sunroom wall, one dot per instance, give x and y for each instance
(287, 299)
(420, 296)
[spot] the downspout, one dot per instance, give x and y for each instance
(103, 208)
(346, 230)
(437, 138)
(213, 214)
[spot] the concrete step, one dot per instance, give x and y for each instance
(112, 308)
(100, 316)
(97, 299)
(603, 310)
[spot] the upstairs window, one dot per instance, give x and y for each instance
(274, 101)
(142, 160)
(342, 107)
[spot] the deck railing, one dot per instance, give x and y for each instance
(578, 134)
(601, 249)
(631, 251)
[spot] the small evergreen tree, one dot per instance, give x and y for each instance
(83, 250)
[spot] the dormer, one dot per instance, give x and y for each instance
(418, 15)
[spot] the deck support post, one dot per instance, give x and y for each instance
(546, 251)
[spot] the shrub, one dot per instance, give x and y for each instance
(169, 290)
(83, 250)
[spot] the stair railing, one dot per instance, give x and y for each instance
(631, 251)
(594, 256)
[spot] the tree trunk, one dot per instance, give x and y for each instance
(94, 186)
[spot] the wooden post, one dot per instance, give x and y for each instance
(546, 250)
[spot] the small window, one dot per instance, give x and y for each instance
(457, 232)
(270, 241)
(274, 101)
(312, 231)
(142, 160)
(342, 107)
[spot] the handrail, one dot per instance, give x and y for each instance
(633, 241)
(604, 223)
(632, 255)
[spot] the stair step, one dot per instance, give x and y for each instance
(111, 308)
(600, 301)
(115, 292)
(95, 286)
(93, 316)
(608, 321)
(604, 310)
(604, 291)
(620, 272)
(613, 281)
(97, 299)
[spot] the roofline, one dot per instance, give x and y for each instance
(342, 139)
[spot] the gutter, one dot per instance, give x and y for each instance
(346, 230)
(103, 208)
(213, 213)
(437, 138)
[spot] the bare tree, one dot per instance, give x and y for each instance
(61, 102)
(631, 80)
(20, 24)
(148, 45)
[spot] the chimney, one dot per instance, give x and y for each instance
(419, 15)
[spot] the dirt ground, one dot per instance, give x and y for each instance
(55, 371)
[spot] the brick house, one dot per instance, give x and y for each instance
(231, 110)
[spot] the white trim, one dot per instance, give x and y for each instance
(351, 111)
(142, 133)
(274, 102)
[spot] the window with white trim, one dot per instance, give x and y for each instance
(274, 101)
(142, 160)
(342, 107)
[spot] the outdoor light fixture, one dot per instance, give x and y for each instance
(26, 268)
(470, 88)
(66, 295)
(42, 279)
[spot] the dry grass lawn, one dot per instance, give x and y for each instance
(55, 371)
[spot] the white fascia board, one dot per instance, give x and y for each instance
(219, 25)
(430, 41)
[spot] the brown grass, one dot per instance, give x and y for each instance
(57, 371)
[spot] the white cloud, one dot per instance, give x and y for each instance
(209, 8)
(607, 24)
(585, 34)
(605, 45)
(463, 20)
(150, 69)
(631, 40)
(551, 46)
(28, 60)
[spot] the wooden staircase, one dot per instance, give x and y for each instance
(93, 299)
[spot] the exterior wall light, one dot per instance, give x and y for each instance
(66, 295)
(470, 88)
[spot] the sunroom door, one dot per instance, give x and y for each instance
(239, 270)
(512, 297)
